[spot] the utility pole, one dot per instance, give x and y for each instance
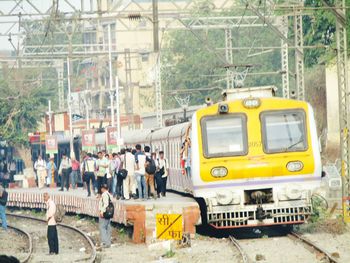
(69, 101)
(118, 106)
(49, 113)
(69, 94)
(129, 91)
(343, 90)
(299, 52)
(87, 110)
(59, 70)
(155, 26)
(111, 91)
(157, 68)
(229, 58)
(285, 58)
(159, 107)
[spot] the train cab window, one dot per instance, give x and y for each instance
(224, 135)
(284, 131)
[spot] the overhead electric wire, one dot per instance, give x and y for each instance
(54, 11)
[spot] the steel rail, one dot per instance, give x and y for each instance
(93, 247)
(311, 244)
(30, 241)
(241, 251)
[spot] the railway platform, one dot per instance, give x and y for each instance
(141, 215)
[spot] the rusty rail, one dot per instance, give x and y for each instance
(239, 248)
(315, 247)
(93, 247)
(30, 241)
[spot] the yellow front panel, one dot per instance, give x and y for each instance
(256, 163)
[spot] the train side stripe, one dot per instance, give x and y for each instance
(259, 182)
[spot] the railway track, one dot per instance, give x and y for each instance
(26, 249)
(318, 250)
(242, 253)
(76, 244)
(247, 254)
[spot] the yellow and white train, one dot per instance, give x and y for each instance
(255, 159)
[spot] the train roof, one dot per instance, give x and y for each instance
(175, 131)
(135, 136)
(138, 136)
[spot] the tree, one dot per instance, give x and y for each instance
(21, 107)
(196, 60)
(192, 62)
(320, 29)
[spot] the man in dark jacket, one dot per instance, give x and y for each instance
(3, 201)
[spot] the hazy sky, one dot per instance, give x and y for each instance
(7, 23)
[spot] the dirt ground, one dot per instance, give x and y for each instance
(338, 245)
(202, 249)
(21, 241)
(72, 247)
(209, 249)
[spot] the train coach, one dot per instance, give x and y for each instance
(255, 159)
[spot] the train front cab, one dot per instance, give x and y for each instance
(256, 165)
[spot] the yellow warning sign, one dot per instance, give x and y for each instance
(346, 209)
(169, 226)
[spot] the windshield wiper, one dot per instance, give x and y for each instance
(294, 144)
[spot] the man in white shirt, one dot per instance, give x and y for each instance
(40, 167)
(140, 160)
(64, 171)
(51, 224)
(89, 170)
(129, 183)
(102, 164)
(162, 174)
(104, 223)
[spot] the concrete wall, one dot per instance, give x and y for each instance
(333, 129)
(332, 105)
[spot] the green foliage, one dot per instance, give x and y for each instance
(319, 206)
(22, 104)
(188, 63)
(169, 254)
(196, 60)
(23, 99)
(320, 29)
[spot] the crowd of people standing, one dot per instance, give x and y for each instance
(131, 173)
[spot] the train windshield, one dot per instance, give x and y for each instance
(224, 135)
(284, 131)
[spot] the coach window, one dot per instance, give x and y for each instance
(224, 135)
(284, 131)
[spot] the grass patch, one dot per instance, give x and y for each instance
(321, 221)
(169, 254)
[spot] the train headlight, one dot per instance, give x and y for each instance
(236, 199)
(219, 171)
(223, 108)
(251, 103)
(224, 197)
(294, 192)
(295, 166)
